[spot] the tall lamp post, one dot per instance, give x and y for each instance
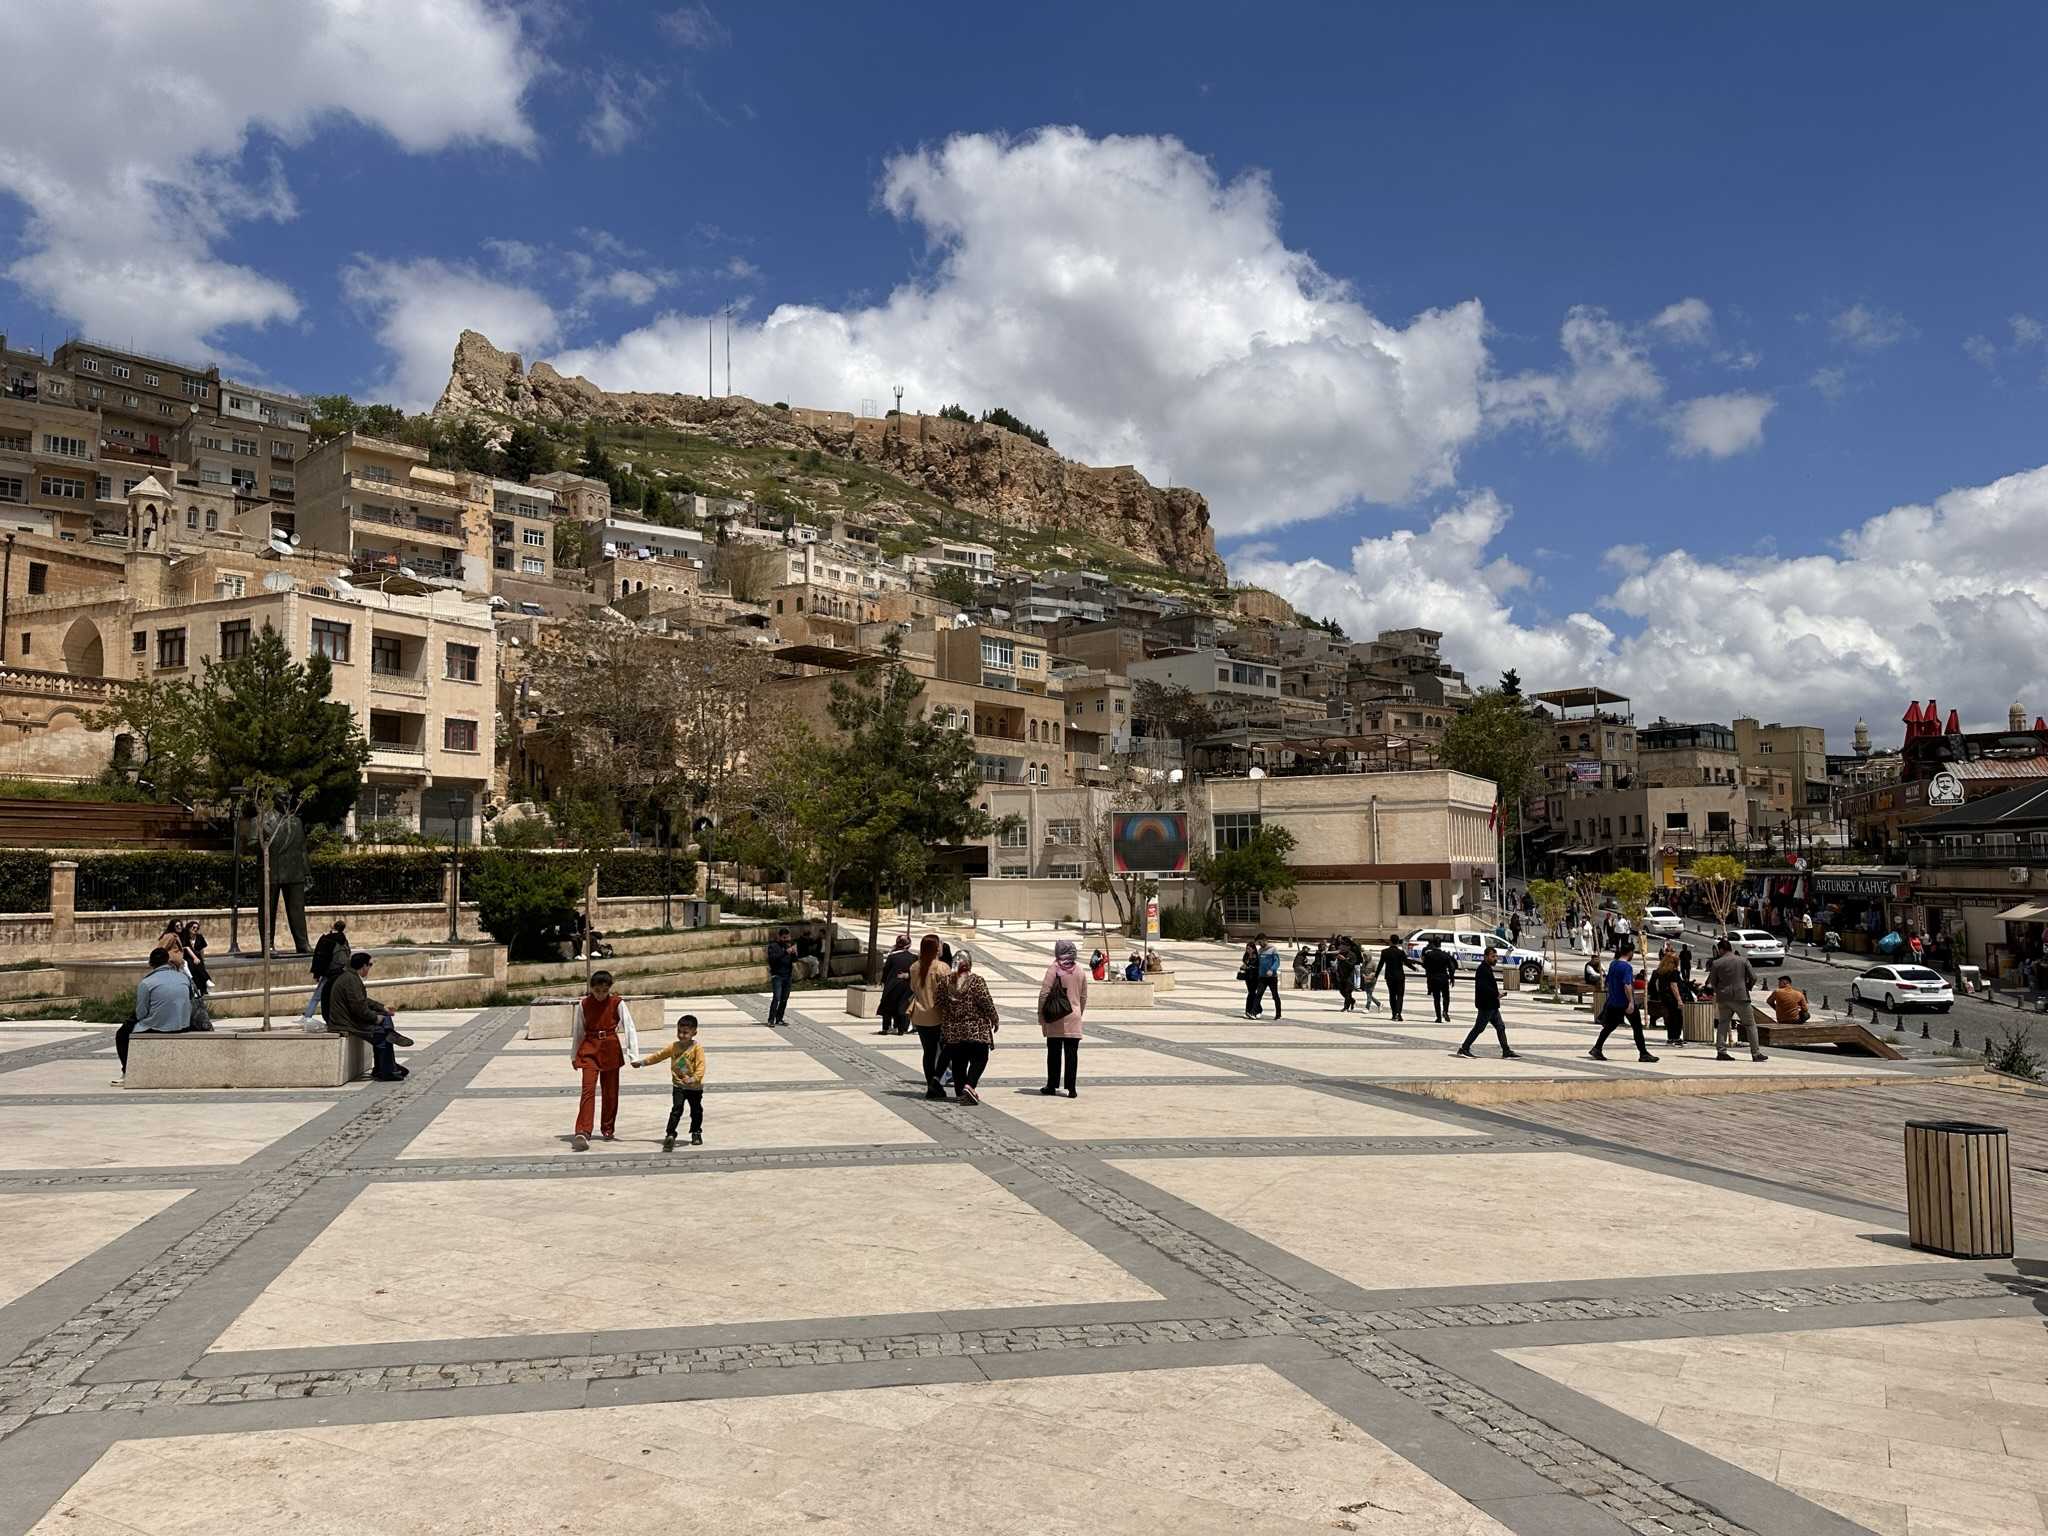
(458, 803)
(235, 879)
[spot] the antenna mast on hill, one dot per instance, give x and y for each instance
(710, 328)
(728, 349)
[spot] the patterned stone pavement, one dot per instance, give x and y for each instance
(1258, 1277)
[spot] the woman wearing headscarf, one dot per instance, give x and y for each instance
(926, 981)
(969, 1021)
(896, 988)
(1060, 1017)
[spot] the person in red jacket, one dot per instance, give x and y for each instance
(601, 1039)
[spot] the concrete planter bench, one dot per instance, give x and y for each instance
(555, 1019)
(1120, 994)
(863, 1002)
(1162, 981)
(246, 1058)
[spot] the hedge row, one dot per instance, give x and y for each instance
(24, 882)
(173, 881)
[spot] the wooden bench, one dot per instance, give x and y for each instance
(245, 1058)
(1844, 1034)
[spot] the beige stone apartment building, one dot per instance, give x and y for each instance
(522, 531)
(1374, 853)
(384, 510)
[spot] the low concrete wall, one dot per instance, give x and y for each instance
(395, 993)
(242, 1058)
(109, 979)
(1032, 901)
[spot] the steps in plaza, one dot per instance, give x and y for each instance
(730, 958)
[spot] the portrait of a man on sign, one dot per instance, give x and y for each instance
(1149, 842)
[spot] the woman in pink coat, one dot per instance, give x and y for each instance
(1063, 1033)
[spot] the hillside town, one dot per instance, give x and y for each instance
(159, 514)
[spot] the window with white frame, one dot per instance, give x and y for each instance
(118, 370)
(996, 652)
(65, 447)
(195, 388)
(151, 380)
(532, 565)
(63, 488)
(13, 488)
(535, 538)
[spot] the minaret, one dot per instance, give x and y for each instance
(2016, 718)
(1862, 737)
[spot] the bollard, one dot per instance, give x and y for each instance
(1923, 1030)
(1959, 1040)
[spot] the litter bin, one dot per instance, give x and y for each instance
(1696, 1021)
(1959, 1188)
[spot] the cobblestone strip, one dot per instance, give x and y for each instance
(61, 1357)
(1345, 1333)
(58, 1050)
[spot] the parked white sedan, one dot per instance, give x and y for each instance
(1755, 944)
(1899, 987)
(1662, 923)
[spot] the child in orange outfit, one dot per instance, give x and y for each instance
(601, 1040)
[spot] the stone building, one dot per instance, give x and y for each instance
(382, 509)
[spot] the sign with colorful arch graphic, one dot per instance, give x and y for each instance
(1149, 842)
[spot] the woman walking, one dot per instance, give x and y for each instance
(969, 1023)
(1248, 973)
(925, 981)
(1667, 996)
(1062, 1000)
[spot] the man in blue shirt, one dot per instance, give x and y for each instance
(163, 1003)
(1269, 974)
(1621, 1004)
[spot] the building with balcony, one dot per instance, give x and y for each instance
(1672, 755)
(614, 537)
(580, 497)
(1791, 764)
(139, 397)
(245, 456)
(522, 531)
(50, 471)
(977, 562)
(382, 508)
(1977, 874)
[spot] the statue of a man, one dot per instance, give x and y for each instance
(285, 836)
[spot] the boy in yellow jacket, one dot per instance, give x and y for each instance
(686, 1080)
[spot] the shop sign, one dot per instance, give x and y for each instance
(1944, 789)
(1877, 886)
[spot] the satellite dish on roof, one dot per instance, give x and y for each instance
(408, 573)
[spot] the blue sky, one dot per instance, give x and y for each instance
(1319, 261)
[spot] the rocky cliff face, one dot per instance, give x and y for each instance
(979, 468)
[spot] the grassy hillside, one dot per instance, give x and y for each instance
(906, 516)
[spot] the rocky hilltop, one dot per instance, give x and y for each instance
(979, 468)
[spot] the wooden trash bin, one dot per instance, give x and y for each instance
(1696, 1021)
(1959, 1188)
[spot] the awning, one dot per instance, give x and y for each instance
(2025, 912)
(1578, 853)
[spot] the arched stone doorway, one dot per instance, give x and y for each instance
(83, 654)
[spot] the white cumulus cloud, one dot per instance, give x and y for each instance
(420, 307)
(1922, 596)
(1607, 371)
(1866, 328)
(1689, 320)
(1118, 294)
(1720, 425)
(127, 203)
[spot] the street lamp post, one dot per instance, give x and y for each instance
(457, 804)
(235, 879)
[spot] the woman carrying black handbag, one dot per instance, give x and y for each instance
(1062, 999)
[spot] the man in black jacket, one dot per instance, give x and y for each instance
(1394, 972)
(895, 1009)
(781, 972)
(1486, 1002)
(1439, 965)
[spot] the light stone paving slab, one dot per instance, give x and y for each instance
(552, 1070)
(1503, 1218)
(402, 1261)
(1174, 1109)
(1907, 1428)
(1224, 1035)
(1395, 1062)
(1216, 1451)
(43, 1234)
(1097, 1061)
(539, 1126)
(143, 1135)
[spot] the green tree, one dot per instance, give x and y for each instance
(1255, 867)
(1630, 889)
(956, 587)
(999, 417)
(1498, 739)
(1173, 713)
(527, 452)
(571, 548)
(955, 413)
(468, 446)
(1511, 683)
(390, 421)
(904, 786)
(1552, 898)
(261, 718)
(332, 415)
(521, 895)
(1718, 877)
(595, 462)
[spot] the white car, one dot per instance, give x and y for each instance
(1755, 944)
(1662, 923)
(1467, 946)
(1898, 987)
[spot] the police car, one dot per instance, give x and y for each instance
(1467, 946)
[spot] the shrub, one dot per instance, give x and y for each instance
(520, 897)
(24, 882)
(1190, 923)
(520, 832)
(177, 881)
(641, 873)
(2014, 1054)
(370, 879)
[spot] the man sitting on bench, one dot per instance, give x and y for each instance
(1788, 1003)
(350, 1010)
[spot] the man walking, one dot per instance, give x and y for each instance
(781, 972)
(1486, 1006)
(1620, 1005)
(1730, 978)
(1394, 972)
(1438, 966)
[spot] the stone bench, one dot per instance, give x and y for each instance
(863, 1002)
(1120, 994)
(1162, 981)
(245, 1058)
(555, 1018)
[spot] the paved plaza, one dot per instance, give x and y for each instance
(1258, 1277)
